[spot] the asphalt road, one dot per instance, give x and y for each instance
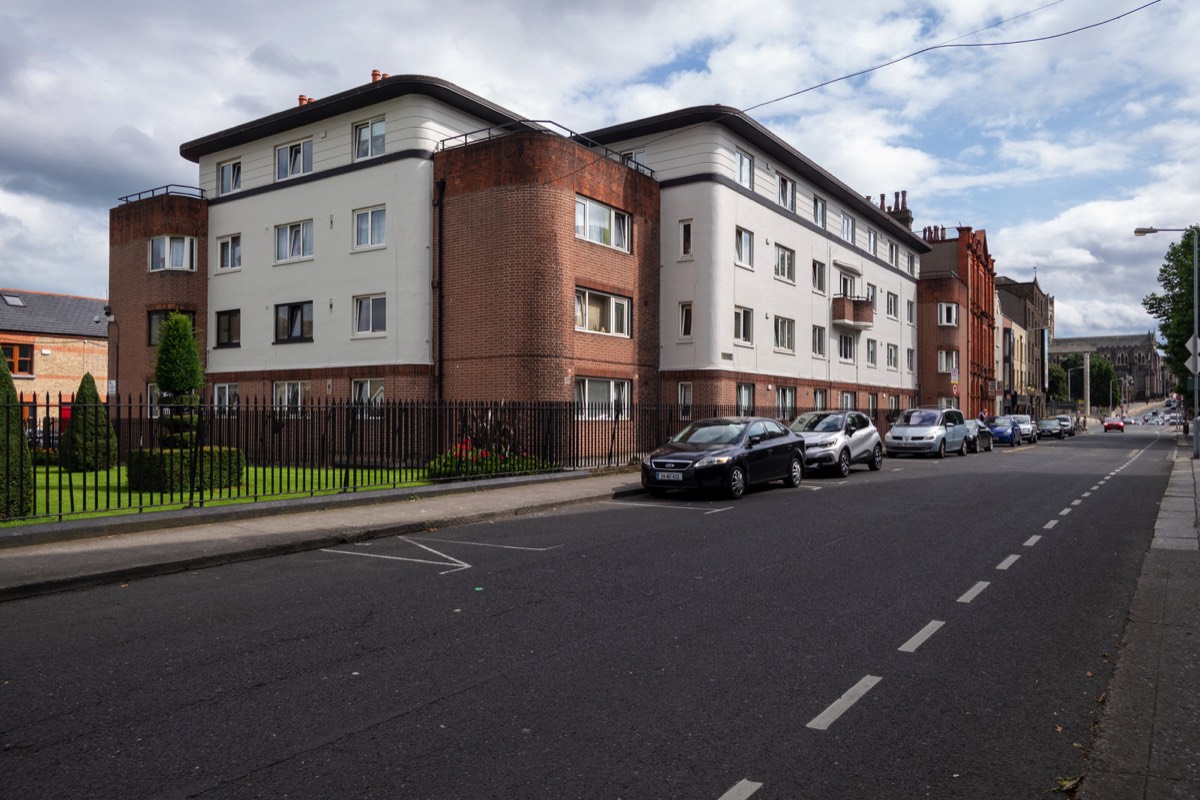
(937, 629)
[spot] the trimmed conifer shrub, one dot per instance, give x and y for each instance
(89, 443)
(16, 466)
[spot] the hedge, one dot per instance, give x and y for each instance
(170, 470)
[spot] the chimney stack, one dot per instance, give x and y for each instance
(375, 76)
(303, 100)
(899, 211)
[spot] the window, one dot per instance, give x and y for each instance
(155, 320)
(229, 252)
(153, 400)
(893, 356)
(13, 300)
(294, 241)
(820, 399)
(745, 399)
(846, 347)
(849, 401)
(873, 404)
(785, 263)
(294, 322)
(636, 159)
(893, 254)
(848, 227)
(911, 359)
(370, 227)
(743, 164)
(845, 284)
(293, 159)
(872, 352)
(229, 177)
(598, 312)
(872, 242)
(818, 341)
(744, 246)
(685, 238)
(225, 399)
(743, 326)
(19, 357)
(229, 328)
(893, 305)
(368, 139)
(819, 211)
(787, 193)
(290, 397)
(370, 314)
(818, 276)
(912, 264)
(173, 252)
(893, 402)
(947, 360)
(873, 296)
(598, 223)
(948, 314)
(910, 312)
(685, 320)
(685, 401)
(598, 398)
(785, 402)
(367, 394)
(785, 334)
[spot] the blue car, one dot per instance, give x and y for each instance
(1005, 430)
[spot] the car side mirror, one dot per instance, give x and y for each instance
(756, 439)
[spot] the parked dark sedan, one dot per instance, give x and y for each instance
(728, 454)
(979, 437)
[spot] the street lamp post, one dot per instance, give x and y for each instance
(1195, 319)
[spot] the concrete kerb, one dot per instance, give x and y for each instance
(141, 522)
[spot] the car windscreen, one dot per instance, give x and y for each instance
(919, 418)
(720, 432)
(821, 422)
(1001, 422)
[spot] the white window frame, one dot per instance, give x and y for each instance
(294, 242)
(743, 168)
(849, 401)
(290, 398)
(785, 263)
(818, 341)
(893, 357)
(948, 315)
(685, 321)
(229, 177)
(820, 399)
(872, 352)
(743, 325)
(947, 361)
(912, 264)
(785, 334)
(294, 159)
(370, 316)
(893, 305)
(846, 283)
(849, 227)
(229, 253)
(744, 399)
(375, 141)
(910, 312)
(370, 228)
(910, 359)
(172, 253)
(846, 348)
(873, 296)
(820, 211)
(818, 276)
(589, 405)
(153, 401)
(367, 394)
(685, 240)
(786, 192)
(684, 395)
(872, 242)
(743, 245)
(225, 400)
(602, 224)
(785, 402)
(893, 254)
(613, 313)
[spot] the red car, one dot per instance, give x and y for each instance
(1114, 424)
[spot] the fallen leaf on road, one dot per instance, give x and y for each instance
(1068, 784)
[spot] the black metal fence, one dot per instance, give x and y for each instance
(321, 447)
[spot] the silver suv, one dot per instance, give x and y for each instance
(836, 439)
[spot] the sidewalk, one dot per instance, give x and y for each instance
(1148, 745)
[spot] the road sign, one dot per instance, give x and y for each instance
(954, 388)
(1193, 345)
(1193, 364)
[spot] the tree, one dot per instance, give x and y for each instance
(1102, 376)
(89, 442)
(16, 464)
(1173, 306)
(1058, 382)
(179, 375)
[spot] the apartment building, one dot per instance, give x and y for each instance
(782, 288)
(408, 239)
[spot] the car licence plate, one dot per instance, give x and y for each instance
(668, 476)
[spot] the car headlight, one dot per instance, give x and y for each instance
(826, 443)
(709, 461)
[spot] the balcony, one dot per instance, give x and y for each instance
(853, 312)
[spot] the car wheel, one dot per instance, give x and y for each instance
(795, 472)
(736, 485)
(876, 462)
(990, 445)
(962, 448)
(843, 464)
(941, 451)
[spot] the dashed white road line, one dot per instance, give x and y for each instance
(1076, 502)
(855, 693)
(921, 637)
(973, 592)
(1064, 512)
(1050, 524)
(1008, 562)
(741, 791)
(1032, 540)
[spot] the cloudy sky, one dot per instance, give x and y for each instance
(1058, 148)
